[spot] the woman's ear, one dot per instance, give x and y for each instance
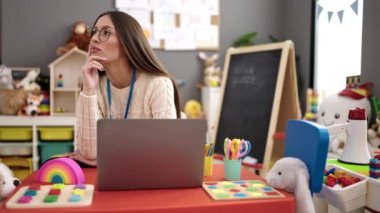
(302, 192)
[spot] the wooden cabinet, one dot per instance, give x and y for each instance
(65, 82)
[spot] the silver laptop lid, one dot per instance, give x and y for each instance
(150, 153)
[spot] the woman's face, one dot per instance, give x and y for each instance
(104, 41)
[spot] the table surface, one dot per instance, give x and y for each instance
(167, 200)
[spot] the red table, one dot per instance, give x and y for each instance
(168, 200)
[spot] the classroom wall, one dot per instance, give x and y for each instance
(33, 30)
(371, 44)
(298, 28)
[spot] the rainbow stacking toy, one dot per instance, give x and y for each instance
(61, 170)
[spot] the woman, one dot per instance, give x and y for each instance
(122, 78)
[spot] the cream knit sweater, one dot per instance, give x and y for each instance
(153, 97)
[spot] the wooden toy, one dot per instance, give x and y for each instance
(52, 196)
(242, 189)
(61, 170)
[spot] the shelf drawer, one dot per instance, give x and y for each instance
(11, 134)
(16, 149)
(47, 134)
(47, 150)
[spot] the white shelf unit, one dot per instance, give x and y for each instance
(64, 92)
(35, 123)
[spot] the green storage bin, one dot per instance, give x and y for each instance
(56, 133)
(11, 134)
(47, 150)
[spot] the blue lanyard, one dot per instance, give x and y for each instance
(133, 80)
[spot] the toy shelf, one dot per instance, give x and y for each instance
(65, 82)
(35, 123)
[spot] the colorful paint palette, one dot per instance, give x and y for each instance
(242, 189)
(52, 196)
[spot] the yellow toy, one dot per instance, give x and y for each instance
(193, 109)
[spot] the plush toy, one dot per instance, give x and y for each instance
(12, 101)
(6, 80)
(32, 103)
(292, 175)
(79, 38)
(212, 73)
(334, 109)
(28, 82)
(373, 135)
(7, 181)
(193, 109)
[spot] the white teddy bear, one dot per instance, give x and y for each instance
(292, 175)
(334, 109)
(7, 181)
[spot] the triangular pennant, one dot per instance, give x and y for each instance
(319, 10)
(329, 14)
(340, 15)
(354, 7)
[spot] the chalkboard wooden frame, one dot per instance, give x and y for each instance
(285, 101)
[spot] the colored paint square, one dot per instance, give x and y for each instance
(267, 189)
(240, 195)
(30, 193)
(54, 192)
(75, 198)
(257, 194)
(50, 199)
(58, 186)
(251, 189)
(212, 187)
(25, 199)
(229, 186)
(80, 186)
(239, 182)
(271, 193)
(222, 195)
(216, 191)
(34, 187)
(255, 181)
(78, 192)
(258, 185)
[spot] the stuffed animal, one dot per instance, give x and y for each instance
(79, 38)
(212, 73)
(334, 109)
(28, 82)
(193, 109)
(7, 181)
(6, 80)
(373, 135)
(291, 174)
(12, 101)
(32, 103)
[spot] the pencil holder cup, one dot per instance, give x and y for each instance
(207, 170)
(232, 169)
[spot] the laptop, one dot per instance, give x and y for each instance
(150, 153)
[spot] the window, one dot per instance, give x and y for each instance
(338, 42)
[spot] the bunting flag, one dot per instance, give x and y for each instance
(340, 13)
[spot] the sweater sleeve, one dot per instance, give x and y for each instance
(87, 112)
(161, 101)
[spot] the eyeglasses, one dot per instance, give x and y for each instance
(103, 35)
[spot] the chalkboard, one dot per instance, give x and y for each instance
(251, 94)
